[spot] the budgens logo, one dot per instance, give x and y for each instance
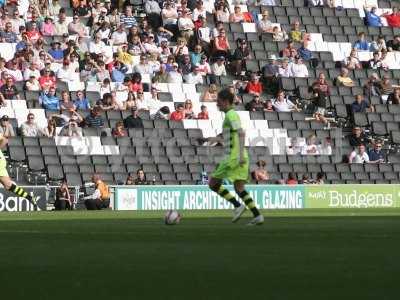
(358, 199)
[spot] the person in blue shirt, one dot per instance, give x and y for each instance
(81, 102)
(56, 52)
(376, 155)
(195, 56)
(361, 44)
(23, 44)
(118, 72)
(49, 100)
(360, 105)
(371, 18)
(8, 36)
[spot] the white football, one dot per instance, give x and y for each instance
(172, 217)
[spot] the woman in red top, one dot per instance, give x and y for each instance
(47, 80)
(254, 86)
(33, 33)
(136, 83)
(291, 179)
(221, 44)
(178, 114)
(393, 19)
(203, 115)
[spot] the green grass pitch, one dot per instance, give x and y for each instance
(317, 254)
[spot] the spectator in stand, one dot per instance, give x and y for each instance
(394, 98)
(291, 179)
(379, 45)
(393, 19)
(361, 44)
(175, 75)
(188, 110)
(210, 94)
(100, 199)
(56, 52)
(128, 19)
(94, 119)
(279, 35)
(310, 148)
(241, 54)
(320, 178)
(194, 77)
(119, 130)
(9, 90)
(178, 114)
(203, 114)
(81, 102)
(359, 155)
(49, 100)
(6, 129)
(394, 45)
(218, 68)
(371, 87)
(32, 84)
(376, 62)
(133, 121)
(195, 56)
(76, 27)
(237, 16)
(72, 129)
(376, 155)
(307, 55)
(296, 34)
(268, 106)
(153, 11)
(282, 104)
(65, 73)
(352, 62)
(343, 79)
(298, 68)
(285, 71)
(361, 105)
(65, 102)
(32, 70)
(185, 25)
(371, 18)
(221, 13)
(8, 36)
(254, 86)
(357, 137)
(141, 178)
(221, 44)
(169, 16)
(385, 87)
(260, 173)
(265, 25)
(30, 128)
(286, 52)
(256, 104)
(321, 86)
(162, 114)
(63, 198)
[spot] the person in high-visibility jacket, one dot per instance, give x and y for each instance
(101, 197)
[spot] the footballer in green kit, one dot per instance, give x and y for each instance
(235, 165)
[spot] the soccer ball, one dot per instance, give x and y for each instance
(172, 217)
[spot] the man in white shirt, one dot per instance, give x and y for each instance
(359, 156)
(30, 128)
(31, 71)
(143, 67)
(185, 25)
(298, 68)
(284, 69)
(282, 104)
(218, 68)
(194, 77)
(97, 46)
(119, 37)
(175, 76)
(61, 26)
(15, 72)
(65, 74)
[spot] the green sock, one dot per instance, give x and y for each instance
(224, 193)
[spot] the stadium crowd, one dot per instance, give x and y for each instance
(173, 42)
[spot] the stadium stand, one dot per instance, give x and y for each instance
(114, 86)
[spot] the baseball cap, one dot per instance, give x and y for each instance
(4, 118)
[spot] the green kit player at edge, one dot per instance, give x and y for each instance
(6, 181)
(235, 166)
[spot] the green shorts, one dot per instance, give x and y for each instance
(231, 170)
(3, 168)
